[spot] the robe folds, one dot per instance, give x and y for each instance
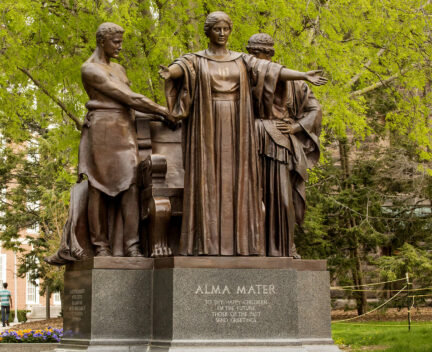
(75, 242)
(216, 100)
(284, 162)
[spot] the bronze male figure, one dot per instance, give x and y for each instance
(108, 152)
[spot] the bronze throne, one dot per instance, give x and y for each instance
(161, 176)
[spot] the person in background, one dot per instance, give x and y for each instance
(6, 304)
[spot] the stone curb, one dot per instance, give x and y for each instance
(28, 347)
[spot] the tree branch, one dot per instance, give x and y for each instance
(77, 122)
(366, 65)
(379, 84)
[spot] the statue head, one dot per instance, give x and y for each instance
(218, 27)
(109, 37)
(107, 29)
(261, 45)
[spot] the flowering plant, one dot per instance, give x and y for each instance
(31, 336)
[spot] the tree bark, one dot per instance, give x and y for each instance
(47, 304)
(356, 270)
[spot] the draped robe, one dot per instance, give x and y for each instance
(207, 209)
(285, 160)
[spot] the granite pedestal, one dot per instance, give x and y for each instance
(232, 304)
(197, 304)
(107, 305)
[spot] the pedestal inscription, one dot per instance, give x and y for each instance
(239, 307)
(77, 304)
(236, 311)
(107, 305)
(185, 304)
(241, 304)
(77, 308)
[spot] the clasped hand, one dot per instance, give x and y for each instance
(287, 126)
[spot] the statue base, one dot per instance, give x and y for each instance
(107, 305)
(197, 304)
(254, 304)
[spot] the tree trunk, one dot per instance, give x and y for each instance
(357, 272)
(361, 296)
(47, 304)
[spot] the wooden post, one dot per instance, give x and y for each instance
(408, 303)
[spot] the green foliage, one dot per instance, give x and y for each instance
(376, 55)
(379, 214)
(408, 259)
(21, 315)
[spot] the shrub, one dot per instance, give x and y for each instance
(21, 315)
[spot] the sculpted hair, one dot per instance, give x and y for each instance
(215, 17)
(261, 42)
(107, 29)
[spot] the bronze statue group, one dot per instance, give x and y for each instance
(250, 130)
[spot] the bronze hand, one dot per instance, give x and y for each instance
(315, 77)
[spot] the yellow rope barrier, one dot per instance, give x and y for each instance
(404, 289)
(386, 325)
(380, 290)
(373, 284)
(373, 310)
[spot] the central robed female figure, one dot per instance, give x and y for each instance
(218, 93)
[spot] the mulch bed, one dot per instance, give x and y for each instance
(390, 314)
(55, 323)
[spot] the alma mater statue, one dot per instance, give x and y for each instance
(211, 91)
(219, 94)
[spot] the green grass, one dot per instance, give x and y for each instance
(384, 336)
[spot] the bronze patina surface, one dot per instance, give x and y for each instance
(288, 144)
(214, 92)
(126, 263)
(249, 131)
(108, 154)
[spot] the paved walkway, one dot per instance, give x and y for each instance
(7, 327)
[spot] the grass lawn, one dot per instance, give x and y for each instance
(383, 336)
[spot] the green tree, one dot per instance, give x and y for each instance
(375, 54)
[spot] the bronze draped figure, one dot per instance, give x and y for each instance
(250, 130)
(222, 213)
(215, 91)
(288, 144)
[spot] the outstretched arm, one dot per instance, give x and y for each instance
(174, 71)
(98, 80)
(313, 77)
